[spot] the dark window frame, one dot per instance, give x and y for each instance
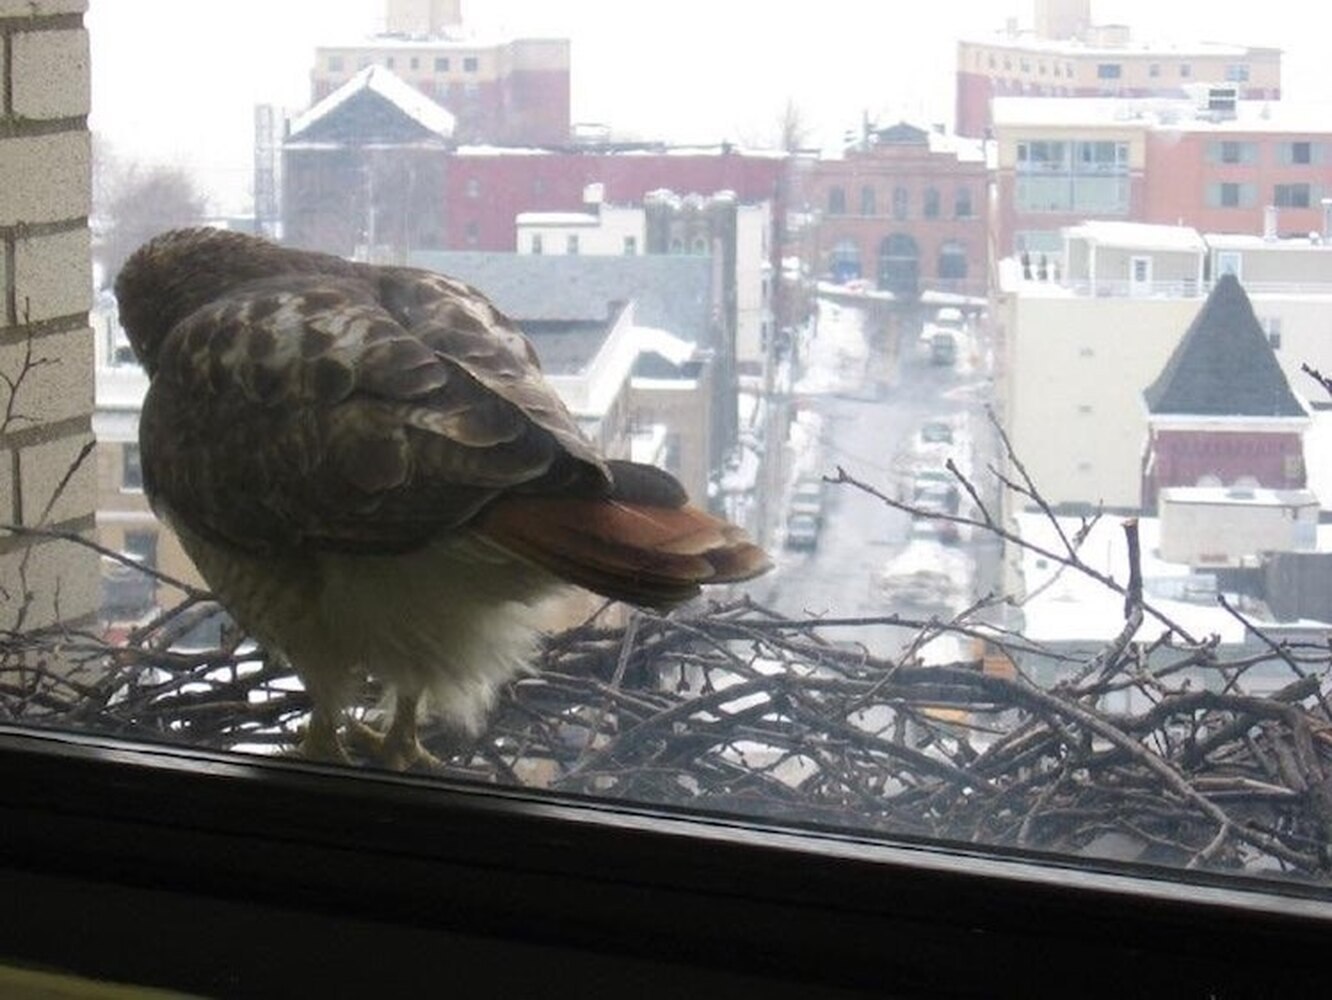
(208, 849)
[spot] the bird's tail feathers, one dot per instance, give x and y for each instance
(651, 555)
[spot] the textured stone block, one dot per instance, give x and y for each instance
(51, 78)
(53, 275)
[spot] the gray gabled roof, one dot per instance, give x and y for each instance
(669, 292)
(374, 107)
(1224, 365)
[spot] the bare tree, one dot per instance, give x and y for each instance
(792, 128)
(135, 201)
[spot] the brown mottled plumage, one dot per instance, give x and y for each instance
(369, 469)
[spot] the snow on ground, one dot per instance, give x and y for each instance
(835, 353)
(1075, 607)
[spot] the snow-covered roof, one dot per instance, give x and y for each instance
(1029, 41)
(556, 219)
(1138, 235)
(458, 37)
(966, 150)
(1175, 114)
(1250, 241)
(1076, 608)
(1230, 496)
(391, 87)
(651, 339)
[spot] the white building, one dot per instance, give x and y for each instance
(1080, 346)
(599, 230)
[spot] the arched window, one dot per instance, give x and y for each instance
(844, 261)
(952, 261)
(962, 203)
(900, 202)
(899, 264)
(930, 209)
(867, 200)
(699, 246)
(836, 201)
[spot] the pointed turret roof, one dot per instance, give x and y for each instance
(1223, 366)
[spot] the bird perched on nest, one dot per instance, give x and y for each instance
(367, 466)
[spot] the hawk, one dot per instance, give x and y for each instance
(368, 468)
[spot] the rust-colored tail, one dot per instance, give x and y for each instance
(642, 544)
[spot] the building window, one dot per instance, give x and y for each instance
(867, 201)
(1232, 152)
(1237, 72)
(631, 246)
(844, 261)
(952, 264)
(141, 546)
(1272, 327)
(1229, 262)
(335, 64)
(415, 63)
(537, 244)
(472, 233)
(389, 61)
(1100, 157)
(131, 469)
(1293, 195)
(441, 64)
(962, 203)
(1154, 70)
(1042, 156)
(930, 206)
(571, 243)
(900, 202)
(899, 264)
(1109, 71)
(472, 188)
(699, 247)
(1185, 70)
(1300, 153)
(469, 64)
(836, 201)
(1229, 194)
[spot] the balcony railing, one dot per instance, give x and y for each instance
(1183, 288)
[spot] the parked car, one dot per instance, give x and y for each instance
(936, 432)
(943, 348)
(802, 531)
(807, 497)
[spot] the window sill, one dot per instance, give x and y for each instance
(191, 868)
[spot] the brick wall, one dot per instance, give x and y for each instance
(47, 474)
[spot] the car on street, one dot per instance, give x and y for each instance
(802, 531)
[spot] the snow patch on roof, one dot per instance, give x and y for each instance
(393, 89)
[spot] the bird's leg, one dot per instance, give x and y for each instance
(401, 747)
(321, 740)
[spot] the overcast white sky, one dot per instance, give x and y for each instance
(176, 80)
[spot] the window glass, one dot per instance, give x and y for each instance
(1017, 599)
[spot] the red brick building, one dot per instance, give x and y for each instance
(907, 209)
(487, 188)
(500, 90)
(1065, 55)
(1209, 162)
(1220, 176)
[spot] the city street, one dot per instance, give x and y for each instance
(876, 441)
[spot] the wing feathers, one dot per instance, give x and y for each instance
(654, 556)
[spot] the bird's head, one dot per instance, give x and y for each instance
(176, 272)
